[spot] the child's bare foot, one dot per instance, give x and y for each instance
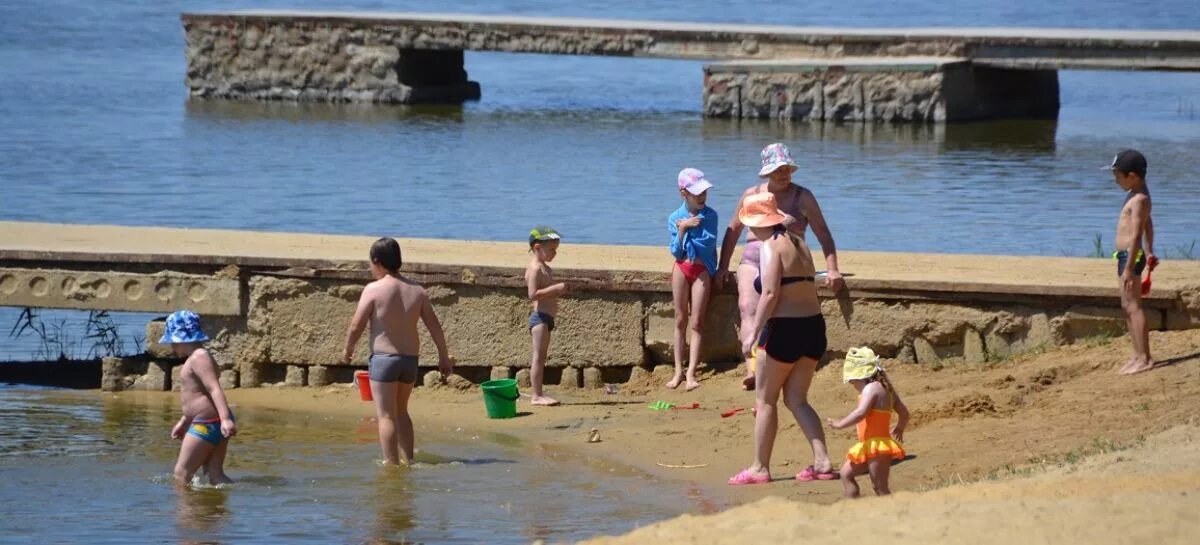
(219, 479)
(1139, 365)
(543, 401)
(674, 382)
(692, 384)
(1125, 367)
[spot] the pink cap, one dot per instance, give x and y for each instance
(693, 181)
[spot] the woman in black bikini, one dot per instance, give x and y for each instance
(795, 201)
(791, 340)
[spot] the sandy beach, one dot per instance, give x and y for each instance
(1056, 431)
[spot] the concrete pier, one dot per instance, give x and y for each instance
(864, 74)
(877, 89)
(295, 293)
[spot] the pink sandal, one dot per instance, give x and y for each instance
(746, 477)
(810, 474)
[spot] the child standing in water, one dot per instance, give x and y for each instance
(392, 305)
(544, 292)
(877, 400)
(207, 422)
(1133, 227)
(693, 230)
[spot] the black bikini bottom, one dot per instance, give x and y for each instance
(788, 339)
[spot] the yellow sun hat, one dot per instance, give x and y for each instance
(861, 363)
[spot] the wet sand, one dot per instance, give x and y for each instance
(1028, 415)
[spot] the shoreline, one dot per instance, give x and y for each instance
(1021, 410)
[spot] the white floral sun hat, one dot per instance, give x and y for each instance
(774, 156)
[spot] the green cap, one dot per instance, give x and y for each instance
(542, 233)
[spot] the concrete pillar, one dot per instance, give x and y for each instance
(973, 348)
(638, 374)
(318, 375)
(662, 373)
(591, 378)
(296, 375)
(111, 375)
(570, 378)
(523, 380)
(501, 372)
(432, 379)
(980, 92)
(157, 377)
(229, 379)
(176, 383)
(251, 374)
(925, 352)
(877, 89)
(435, 76)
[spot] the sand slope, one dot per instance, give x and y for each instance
(1148, 494)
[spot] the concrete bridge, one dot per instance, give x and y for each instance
(757, 71)
(277, 304)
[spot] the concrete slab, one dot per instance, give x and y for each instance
(1175, 49)
(88, 290)
(846, 64)
(589, 266)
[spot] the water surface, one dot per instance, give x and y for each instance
(97, 127)
(88, 467)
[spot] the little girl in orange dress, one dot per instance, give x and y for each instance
(877, 400)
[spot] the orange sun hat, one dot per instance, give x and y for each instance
(760, 210)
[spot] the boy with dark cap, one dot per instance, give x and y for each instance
(1135, 250)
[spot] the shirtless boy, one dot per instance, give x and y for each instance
(1135, 250)
(544, 292)
(207, 422)
(392, 305)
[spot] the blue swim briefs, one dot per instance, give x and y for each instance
(208, 430)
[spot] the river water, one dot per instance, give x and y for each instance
(84, 467)
(97, 128)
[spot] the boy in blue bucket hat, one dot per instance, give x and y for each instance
(207, 422)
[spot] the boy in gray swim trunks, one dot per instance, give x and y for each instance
(392, 305)
(544, 292)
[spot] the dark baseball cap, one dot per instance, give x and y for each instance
(1129, 160)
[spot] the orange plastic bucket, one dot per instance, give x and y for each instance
(363, 379)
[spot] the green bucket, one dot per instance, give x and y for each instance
(500, 397)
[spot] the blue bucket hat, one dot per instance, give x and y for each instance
(183, 326)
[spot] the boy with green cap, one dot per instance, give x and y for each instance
(544, 292)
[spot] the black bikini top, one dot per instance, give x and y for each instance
(779, 230)
(783, 281)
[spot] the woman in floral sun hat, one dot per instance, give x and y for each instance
(800, 207)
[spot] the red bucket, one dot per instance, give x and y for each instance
(363, 379)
